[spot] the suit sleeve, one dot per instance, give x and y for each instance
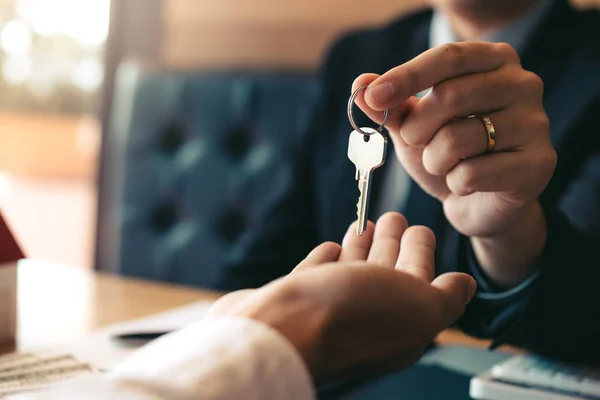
(557, 312)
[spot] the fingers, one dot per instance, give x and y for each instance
(503, 172)
(467, 95)
(396, 115)
(386, 239)
(380, 244)
(417, 253)
(322, 254)
(454, 142)
(456, 290)
(461, 97)
(436, 65)
(354, 247)
(466, 138)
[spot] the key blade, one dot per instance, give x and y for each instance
(362, 206)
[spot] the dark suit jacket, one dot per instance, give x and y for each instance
(559, 314)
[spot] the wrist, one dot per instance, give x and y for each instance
(299, 318)
(510, 256)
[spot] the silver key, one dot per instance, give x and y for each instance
(367, 152)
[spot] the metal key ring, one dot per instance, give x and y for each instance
(351, 116)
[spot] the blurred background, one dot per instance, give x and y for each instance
(133, 132)
(51, 75)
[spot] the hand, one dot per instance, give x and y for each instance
(490, 196)
(369, 305)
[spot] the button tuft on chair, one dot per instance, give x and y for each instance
(231, 224)
(164, 216)
(238, 141)
(173, 137)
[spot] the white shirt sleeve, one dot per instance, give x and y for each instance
(218, 358)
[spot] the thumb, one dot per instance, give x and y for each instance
(456, 290)
(397, 114)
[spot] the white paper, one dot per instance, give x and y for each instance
(101, 350)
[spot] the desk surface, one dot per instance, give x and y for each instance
(58, 303)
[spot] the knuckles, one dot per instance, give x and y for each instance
(446, 94)
(546, 164)
(455, 55)
(540, 124)
(534, 85)
(464, 179)
(430, 162)
(509, 52)
(449, 145)
(451, 141)
(413, 77)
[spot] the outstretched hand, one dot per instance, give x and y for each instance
(371, 304)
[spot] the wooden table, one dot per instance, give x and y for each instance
(58, 303)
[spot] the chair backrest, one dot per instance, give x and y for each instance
(190, 159)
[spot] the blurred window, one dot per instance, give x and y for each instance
(51, 54)
(51, 73)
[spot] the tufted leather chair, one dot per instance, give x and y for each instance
(188, 162)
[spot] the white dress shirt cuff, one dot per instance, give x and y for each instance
(221, 358)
